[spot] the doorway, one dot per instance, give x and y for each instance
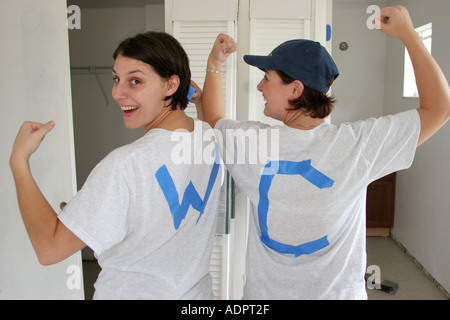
(98, 122)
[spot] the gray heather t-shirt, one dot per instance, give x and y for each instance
(307, 190)
(148, 211)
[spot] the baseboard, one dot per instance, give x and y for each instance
(421, 267)
(377, 232)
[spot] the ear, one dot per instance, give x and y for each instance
(172, 85)
(297, 89)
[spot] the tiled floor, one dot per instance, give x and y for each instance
(394, 265)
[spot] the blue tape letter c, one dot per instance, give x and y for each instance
(307, 171)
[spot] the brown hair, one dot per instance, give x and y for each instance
(165, 55)
(316, 104)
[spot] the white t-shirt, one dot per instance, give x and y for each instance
(150, 220)
(307, 190)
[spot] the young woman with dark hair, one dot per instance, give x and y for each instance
(150, 220)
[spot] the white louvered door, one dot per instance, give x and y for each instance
(266, 35)
(271, 23)
(197, 38)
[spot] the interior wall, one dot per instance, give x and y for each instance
(371, 85)
(359, 89)
(35, 86)
(422, 216)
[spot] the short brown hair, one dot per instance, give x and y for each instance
(316, 104)
(165, 55)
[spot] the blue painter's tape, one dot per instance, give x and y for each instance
(191, 92)
(190, 196)
(328, 32)
(305, 248)
(307, 171)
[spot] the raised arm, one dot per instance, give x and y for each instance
(213, 100)
(434, 92)
(51, 240)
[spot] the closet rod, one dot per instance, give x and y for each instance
(94, 70)
(91, 69)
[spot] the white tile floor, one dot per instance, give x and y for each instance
(395, 266)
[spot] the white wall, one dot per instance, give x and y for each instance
(359, 89)
(35, 86)
(422, 212)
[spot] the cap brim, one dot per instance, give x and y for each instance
(261, 62)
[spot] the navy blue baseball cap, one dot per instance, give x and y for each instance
(304, 60)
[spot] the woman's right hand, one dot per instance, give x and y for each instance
(29, 139)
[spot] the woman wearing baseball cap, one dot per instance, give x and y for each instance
(307, 225)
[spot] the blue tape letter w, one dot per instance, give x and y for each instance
(190, 196)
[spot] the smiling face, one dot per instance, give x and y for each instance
(276, 94)
(139, 91)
